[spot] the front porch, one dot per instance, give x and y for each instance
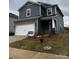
(46, 25)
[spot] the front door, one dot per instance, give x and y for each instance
(45, 26)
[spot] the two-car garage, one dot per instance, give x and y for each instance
(23, 29)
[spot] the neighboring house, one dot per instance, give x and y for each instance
(12, 18)
(40, 18)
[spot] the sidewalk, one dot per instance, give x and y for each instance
(25, 54)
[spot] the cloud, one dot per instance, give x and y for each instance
(16, 4)
(66, 24)
(63, 4)
(14, 12)
(66, 21)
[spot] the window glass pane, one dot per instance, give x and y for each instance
(49, 11)
(28, 12)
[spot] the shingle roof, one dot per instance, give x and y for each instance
(13, 15)
(46, 5)
(28, 2)
(29, 18)
(43, 4)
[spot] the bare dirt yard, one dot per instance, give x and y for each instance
(59, 44)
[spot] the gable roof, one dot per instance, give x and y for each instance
(28, 2)
(45, 4)
(59, 10)
(26, 19)
(13, 15)
(42, 4)
(48, 5)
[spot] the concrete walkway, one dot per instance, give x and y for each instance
(25, 54)
(15, 38)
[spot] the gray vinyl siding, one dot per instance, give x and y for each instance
(44, 11)
(59, 20)
(35, 11)
(53, 10)
(11, 24)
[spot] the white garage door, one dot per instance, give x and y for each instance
(23, 29)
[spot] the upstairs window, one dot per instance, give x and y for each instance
(28, 12)
(49, 11)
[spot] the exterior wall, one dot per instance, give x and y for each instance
(59, 20)
(11, 24)
(44, 11)
(35, 11)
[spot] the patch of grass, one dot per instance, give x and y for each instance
(10, 58)
(58, 42)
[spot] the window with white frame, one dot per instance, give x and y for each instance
(28, 12)
(49, 11)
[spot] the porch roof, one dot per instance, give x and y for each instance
(32, 18)
(46, 18)
(25, 19)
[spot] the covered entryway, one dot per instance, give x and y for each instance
(24, 28)
(45, 26)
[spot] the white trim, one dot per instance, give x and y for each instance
(55, 10)
(37, 26)
(47, 11)
(29, 4)
(40, 10)
(30, 12)
(52, 21)
(19, 16)
(50, 26)
(53, 24)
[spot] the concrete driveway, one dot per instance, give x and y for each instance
(25, 54)
(15, 38)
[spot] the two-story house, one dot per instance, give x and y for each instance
(40, 18)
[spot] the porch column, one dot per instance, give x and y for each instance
(36, 26)
(53, 24)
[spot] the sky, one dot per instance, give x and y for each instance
(14, 5)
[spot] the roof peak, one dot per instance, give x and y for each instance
(38, 3)
(46, 3)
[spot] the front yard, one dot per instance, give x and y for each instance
(58, 42)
